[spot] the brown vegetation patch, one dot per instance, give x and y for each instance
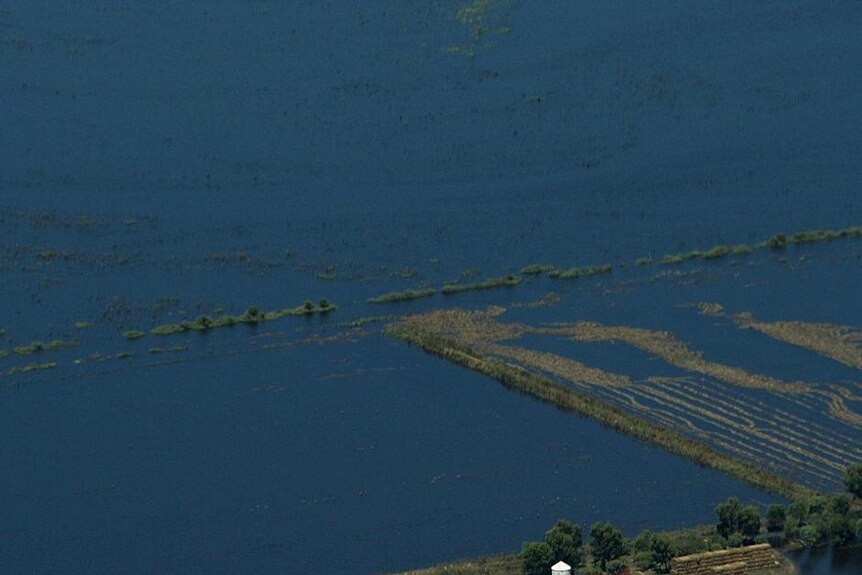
(840, 343)
(664, 345)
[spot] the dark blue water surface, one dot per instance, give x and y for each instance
(163, 160)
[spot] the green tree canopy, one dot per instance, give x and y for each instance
(728, 516)
(607, 543)
(853, 479)
(537, 558)
(565, 540)
(643, 541)
(775, 518)
(733, 517)
(749, 521)
(842, 530)
(839, 504)
(662, 552)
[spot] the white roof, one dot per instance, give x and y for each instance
(561, 566)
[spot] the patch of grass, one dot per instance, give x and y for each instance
(645, 261)
(406, 295)
(574, 273)
(133, 334)
(536, 269)
(82, 325)
(124, 355)
(507, 281)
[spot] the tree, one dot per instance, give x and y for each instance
(853, 479)
(749, 522)
(842, 529)
(536, 558)
(839, 504)
(643, 541)
(728, 516)
(565, 541)
(791, 528)
(615, 567)
(662, 552)
(814, 534)
(607, 543)
(775, 518)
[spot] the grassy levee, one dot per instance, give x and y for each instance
(541, 388)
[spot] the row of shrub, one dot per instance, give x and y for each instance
(778, 241)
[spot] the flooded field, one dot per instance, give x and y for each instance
(210, 212)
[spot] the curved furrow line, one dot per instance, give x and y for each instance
(800, 434)
(755, 433)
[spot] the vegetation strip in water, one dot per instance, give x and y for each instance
(536, 269)
(406, 295)
(541, 388)
(507, 281)
(251, 316)
(664, 345)
(38, 346)
(837, 342)
(32, 367)
(574, 273)
(776, 242)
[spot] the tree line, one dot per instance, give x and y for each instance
(815, 521)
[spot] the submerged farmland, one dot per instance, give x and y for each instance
(804, 432)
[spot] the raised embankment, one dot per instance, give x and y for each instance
(740, 561)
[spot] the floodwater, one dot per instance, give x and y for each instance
(161, 161)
